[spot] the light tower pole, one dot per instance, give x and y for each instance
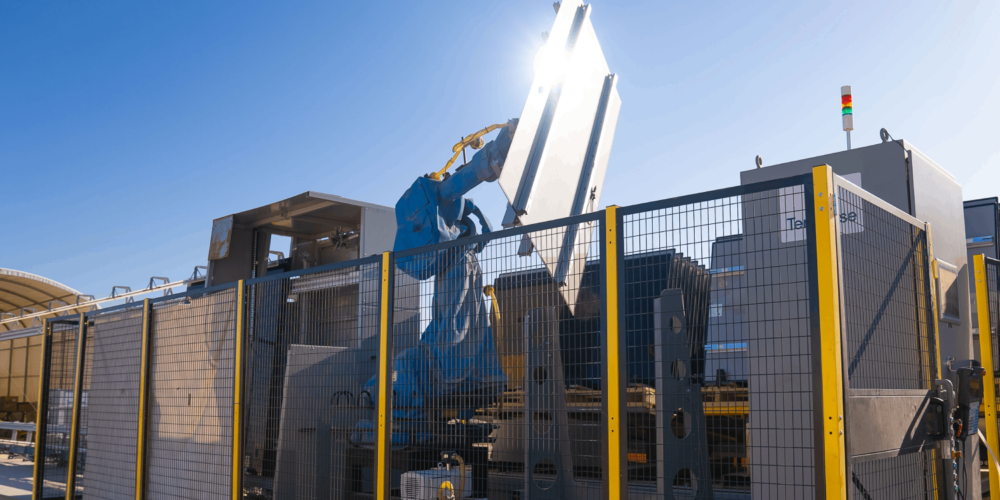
(847, 111)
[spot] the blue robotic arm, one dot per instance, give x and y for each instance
(431, 211)
(455, 354)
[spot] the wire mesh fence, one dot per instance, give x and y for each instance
(79, 454)
(903, 476)
(499, 368)
(987, 280)
(888, 325)
(992, 279)
(58, 392)
(497, 356)
(191, 397)
(716, 301)
(109, 420)
(312, 347)
(886, 296)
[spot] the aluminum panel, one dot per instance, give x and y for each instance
(559, 155)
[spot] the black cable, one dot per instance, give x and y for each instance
(965, 469)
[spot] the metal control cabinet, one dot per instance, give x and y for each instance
(900, 174)
(908, 180)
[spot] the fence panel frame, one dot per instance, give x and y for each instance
(829, 337)
(986, 355)
(143, 410)
(615, 400)
(38, 477)
(41, 416)
(929, 270)
(238, 369)
(250, 318)
(150, 360)
(932, 275)
(825, 326)
(74, 436)
(383, 448)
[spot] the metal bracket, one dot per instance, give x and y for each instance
(196, 276)
(166, 281)
(548, 458)
(681, 433)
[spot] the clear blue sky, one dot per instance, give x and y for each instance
(126, 127)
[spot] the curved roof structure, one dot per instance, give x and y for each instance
(22, 292)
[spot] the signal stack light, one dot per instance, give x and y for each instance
(847, 111)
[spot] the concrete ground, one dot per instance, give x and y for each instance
(15, 478)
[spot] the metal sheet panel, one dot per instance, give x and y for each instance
(559, 155)
(887, 422)
(222, 234)
(378, 230)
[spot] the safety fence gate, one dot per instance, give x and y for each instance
(889, 348)
(707, 346)
(987, 278)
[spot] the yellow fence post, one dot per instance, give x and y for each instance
(933, 306)
(238, 394)
(986, 354)
(616, 478)
(74, 436)
(834, 462)
(140, 446)
(933, 275)
(40, 414)
(383, 449)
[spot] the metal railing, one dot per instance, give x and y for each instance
(686, 348)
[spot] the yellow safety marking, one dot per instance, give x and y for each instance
(140, 454)
(614, 393)
(986, 354)
(384, 394)
(74, 436)
(39, 453)
(238, 395)
(474, 140)
(490, 292)
(829, 320)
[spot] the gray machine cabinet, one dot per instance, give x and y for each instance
(324, 228)
(900, 174)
